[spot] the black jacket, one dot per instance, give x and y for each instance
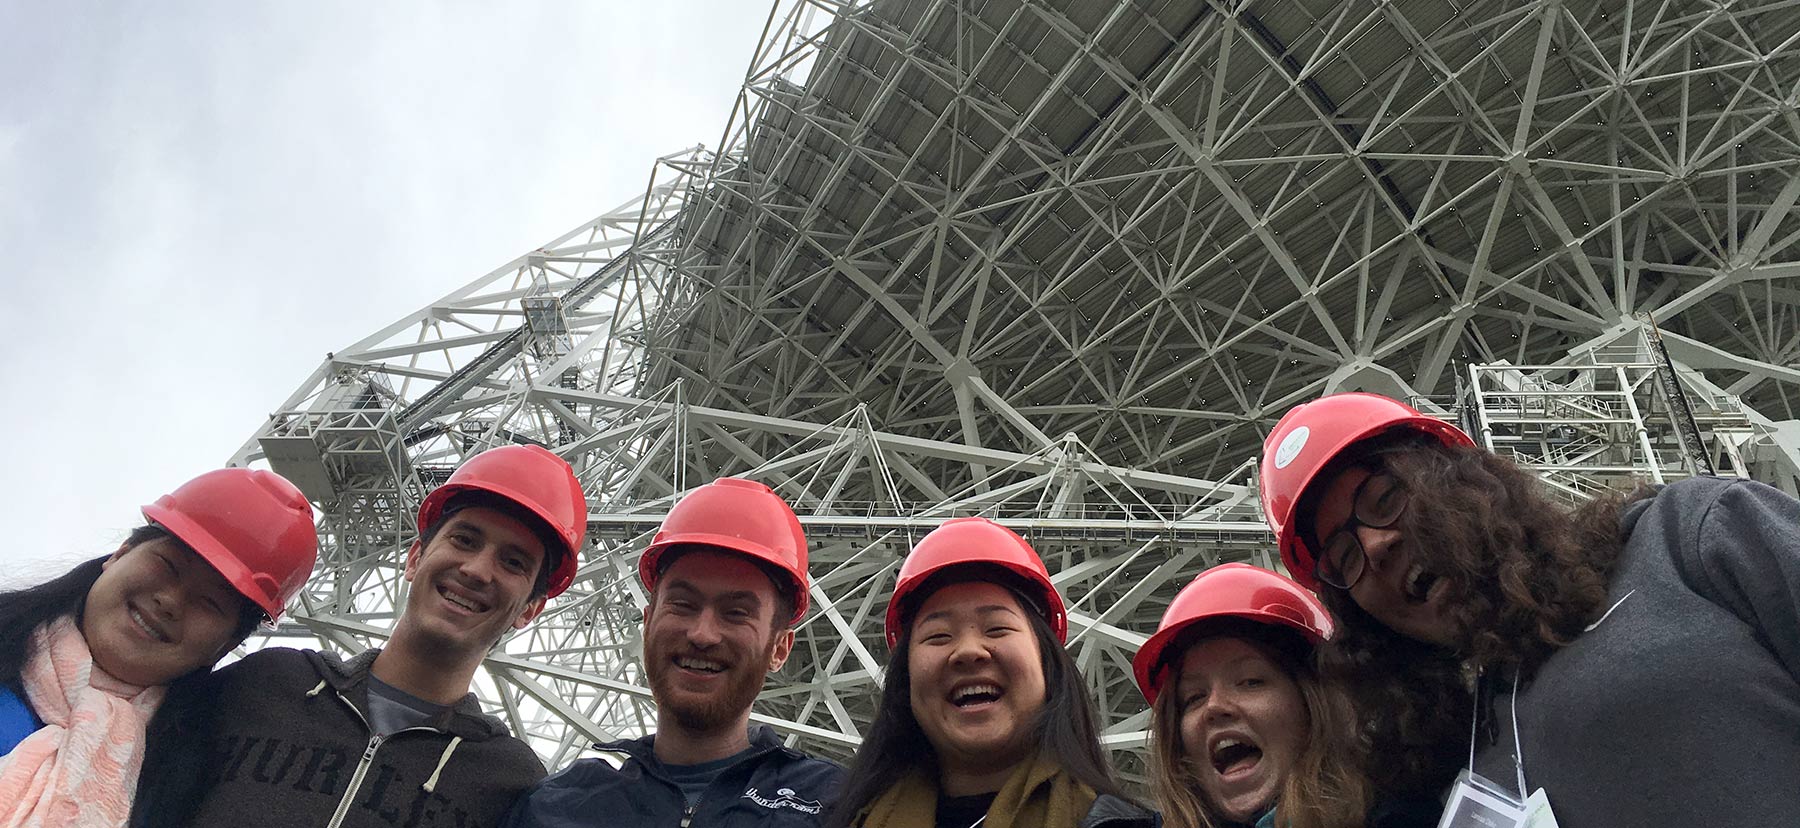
(1109, 811)
(282, 739)
(627, 787)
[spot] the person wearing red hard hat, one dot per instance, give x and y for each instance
(1635, 659)
(1242, 727)
(392, 735)
(984, 718)
(727, 583)
(85, 658)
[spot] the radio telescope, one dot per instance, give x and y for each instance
(1063, 264)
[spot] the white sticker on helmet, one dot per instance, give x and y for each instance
(1290, 446)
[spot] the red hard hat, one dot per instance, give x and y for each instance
(1233, 590)
(1308, 438)
(975, 540)
(253, 526)
(538, 481)
(735, 515)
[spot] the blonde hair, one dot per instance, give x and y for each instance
(1324, 788)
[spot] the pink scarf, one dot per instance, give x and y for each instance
(81, 768)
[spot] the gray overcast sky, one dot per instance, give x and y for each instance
(198, 200)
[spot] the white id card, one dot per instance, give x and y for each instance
(1477, 803)
(1537, 811)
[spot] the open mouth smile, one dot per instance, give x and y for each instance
(703, 666)
(463, 601)
(1234, 757)
(976, 695)
(1419, 584)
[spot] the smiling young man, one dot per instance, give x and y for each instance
(391, 737)
(727, 581)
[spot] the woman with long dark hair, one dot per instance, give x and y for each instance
(1632, 662)
(1243, 731)
(85, 658)
(984, 718)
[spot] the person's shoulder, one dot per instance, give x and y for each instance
(1696, 504)
(579, 793)
(1703, 488)
(789, 760)
(603, 768)
(1682, 506)
(268, 658)
(264, 667)
(1704, 491)
(1117, 812)
(511, 754)
(817, 764)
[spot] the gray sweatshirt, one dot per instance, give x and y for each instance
(284, 741)
(1682, 707)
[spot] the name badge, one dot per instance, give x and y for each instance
(1537, 811)
(1476, 802)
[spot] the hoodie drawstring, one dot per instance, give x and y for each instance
(430, 785)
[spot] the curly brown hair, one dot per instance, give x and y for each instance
(1524, 575)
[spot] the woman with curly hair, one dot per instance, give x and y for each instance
(983, 719)
(1635, 660)
(1243, 731)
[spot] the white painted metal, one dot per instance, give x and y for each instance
(1064, 263)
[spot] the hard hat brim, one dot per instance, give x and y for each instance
(217, 555)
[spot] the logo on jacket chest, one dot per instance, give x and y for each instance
(784, 798)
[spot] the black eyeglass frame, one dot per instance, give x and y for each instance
(1359, 516)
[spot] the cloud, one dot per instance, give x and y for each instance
(198, 200)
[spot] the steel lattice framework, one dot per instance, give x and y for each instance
(1063, 264)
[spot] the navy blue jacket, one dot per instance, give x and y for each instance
(627, 787)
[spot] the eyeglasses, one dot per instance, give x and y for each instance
(1378, 502)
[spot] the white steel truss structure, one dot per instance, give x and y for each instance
(1064, 263)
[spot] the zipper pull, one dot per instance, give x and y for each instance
(687, 817)
(369, 752)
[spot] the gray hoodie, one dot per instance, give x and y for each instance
(286, 742)
(1681, 707)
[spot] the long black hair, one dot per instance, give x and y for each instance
(22, 611)
(1066, 730)
(169, 787)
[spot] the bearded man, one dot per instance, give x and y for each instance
(727, 580)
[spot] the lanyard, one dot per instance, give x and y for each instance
(1518, 746)
(1513, 700)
